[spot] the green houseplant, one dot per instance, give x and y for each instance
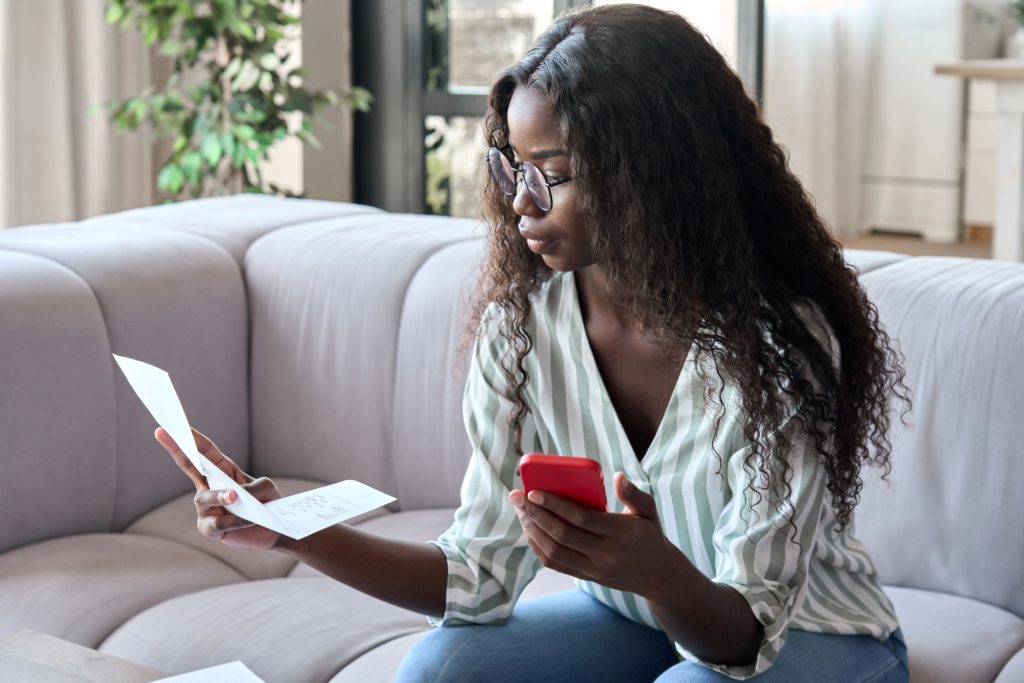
(230, 92)
(1015, 42)
(1017, 7)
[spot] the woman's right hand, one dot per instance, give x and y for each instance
(214, 521)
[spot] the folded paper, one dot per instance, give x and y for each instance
(296, 516)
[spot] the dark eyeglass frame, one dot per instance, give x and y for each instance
(508, 182)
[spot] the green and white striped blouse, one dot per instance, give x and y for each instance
(825, 584)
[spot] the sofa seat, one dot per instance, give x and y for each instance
(413, 526)
(175, 520)
(1013, 672)
(286, 630)
(325, 624)
(82, 587)
(934, 624)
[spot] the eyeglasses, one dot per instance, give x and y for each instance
(506, 174)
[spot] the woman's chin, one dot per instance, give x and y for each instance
(562, 264)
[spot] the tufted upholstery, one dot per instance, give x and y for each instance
(315, 341)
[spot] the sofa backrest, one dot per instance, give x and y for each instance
(76, 445)
(162, 284)
(354, 323)
(950, 517)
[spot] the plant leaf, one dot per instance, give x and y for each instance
(170, 47)
(211, 149)
(115, 12)
(270, 61)
(227, 141)
(243, 131)
(191, 164)
(170, 179)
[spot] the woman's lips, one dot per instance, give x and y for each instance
(538, 244)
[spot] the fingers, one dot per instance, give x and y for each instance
(553, 555)
(263, 489)
(213, 519)
(180, 459)
(208, 499)
(560, 531)
(225, 464)
(546, 547)
(208, 450)
(636, 501)
(593, 521)
(215, 526)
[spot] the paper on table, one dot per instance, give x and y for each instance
(296, 516)
(234, 672)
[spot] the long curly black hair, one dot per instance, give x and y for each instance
(703, 233)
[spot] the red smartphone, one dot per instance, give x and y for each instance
(578, 479)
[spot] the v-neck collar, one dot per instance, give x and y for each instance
(635, 466)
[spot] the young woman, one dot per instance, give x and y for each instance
(660, 296)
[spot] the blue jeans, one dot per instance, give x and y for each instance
(570, 636)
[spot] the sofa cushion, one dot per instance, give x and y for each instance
(866, 260)
(232, 222)
(430, 449)
(949, 518)
(326, 301)
(955, 640)
(168, 298)
(45, 384)
(413, 526)
(80, 588)
(380, 664)
(1013, 672)
(285, 630)
(175, 520)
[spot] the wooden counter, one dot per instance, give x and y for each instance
(983, 68)
(1008, 235)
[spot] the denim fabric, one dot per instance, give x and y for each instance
(569, 636)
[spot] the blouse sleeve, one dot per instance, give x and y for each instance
(489, 559)
(757, 551)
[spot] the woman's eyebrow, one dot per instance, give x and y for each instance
(547, 153)
(541, 153)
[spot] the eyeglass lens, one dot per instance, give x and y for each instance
(505, 176)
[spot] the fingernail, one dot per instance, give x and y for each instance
(226, 496)
(536, 497)
(517, 499)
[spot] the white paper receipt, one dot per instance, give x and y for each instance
(235, 672)
(296, 516)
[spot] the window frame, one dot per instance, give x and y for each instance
(388, 38)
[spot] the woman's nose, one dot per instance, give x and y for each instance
(522, 202)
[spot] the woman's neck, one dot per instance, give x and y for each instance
(596, 300)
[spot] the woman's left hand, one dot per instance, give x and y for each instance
(626, 551)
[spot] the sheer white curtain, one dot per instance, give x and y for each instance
(58, 57)
(817, 71)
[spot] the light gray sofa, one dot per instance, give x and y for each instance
(313, 342)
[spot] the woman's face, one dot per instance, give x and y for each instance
(558, 236)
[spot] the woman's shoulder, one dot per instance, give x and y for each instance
(497, 322)
(543, 304)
